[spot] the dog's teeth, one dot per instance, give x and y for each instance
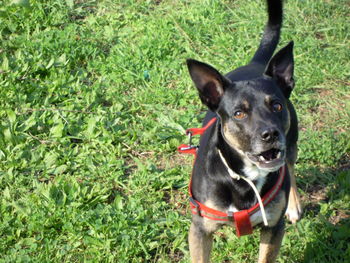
(279, 155)
(262, 158)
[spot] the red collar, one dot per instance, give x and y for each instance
(240, 218)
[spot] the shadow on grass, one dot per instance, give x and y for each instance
(326, 206)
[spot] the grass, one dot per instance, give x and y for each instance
(95, 97)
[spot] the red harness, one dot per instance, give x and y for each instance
(241, 218)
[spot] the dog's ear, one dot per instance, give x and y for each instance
(281, 68)
(209, 82)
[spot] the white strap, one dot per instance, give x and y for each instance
(237, 177)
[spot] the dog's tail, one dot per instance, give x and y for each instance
(271, 34)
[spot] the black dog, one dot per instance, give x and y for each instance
(253, 139)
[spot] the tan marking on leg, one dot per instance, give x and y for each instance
(200, 245)
(294, 209)
(201, 234)
(270, 243)
(213, 225)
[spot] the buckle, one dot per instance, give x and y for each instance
(189, 134)
(189, 147)
(195, 206)
(230, 216)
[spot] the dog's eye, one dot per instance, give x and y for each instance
(277, 107)
(239, 115)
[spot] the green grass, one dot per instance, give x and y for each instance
(95, 97)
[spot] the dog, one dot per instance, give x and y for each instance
(253, 138)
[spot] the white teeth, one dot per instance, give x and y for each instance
(262, 158)
(279, 155)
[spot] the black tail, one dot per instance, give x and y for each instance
(271, 35)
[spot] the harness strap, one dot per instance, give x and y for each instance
(200, 131)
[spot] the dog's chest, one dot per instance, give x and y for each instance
(272, 210)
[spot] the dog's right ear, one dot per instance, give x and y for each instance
(281, 68)
(209, 82)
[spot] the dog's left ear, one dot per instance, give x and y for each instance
(281, 68)
(209, 82)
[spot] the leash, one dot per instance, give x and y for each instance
(240, 218)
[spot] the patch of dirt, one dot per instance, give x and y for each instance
(176, 256)
(116, 190)
(343, 83)
(130, 166)
(324, 92)
(327, 113)
(317, 193)
(319, 35)
(314, 194)
(174, 160)
(345, 163)
(87, 8)
(339, 216)
(178, 200)
(138, 154)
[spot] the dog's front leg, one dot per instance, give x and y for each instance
(270, 242)
(294, 210)
(200, 243)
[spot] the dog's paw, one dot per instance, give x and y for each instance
(294, 210)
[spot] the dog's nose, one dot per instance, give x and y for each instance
(269, 135)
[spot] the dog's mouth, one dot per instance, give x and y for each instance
(270, 155)
(269, 159)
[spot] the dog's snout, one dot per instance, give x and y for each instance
(269, 135)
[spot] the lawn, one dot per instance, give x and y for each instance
(95, 97)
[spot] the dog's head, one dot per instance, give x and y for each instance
(254, 113)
